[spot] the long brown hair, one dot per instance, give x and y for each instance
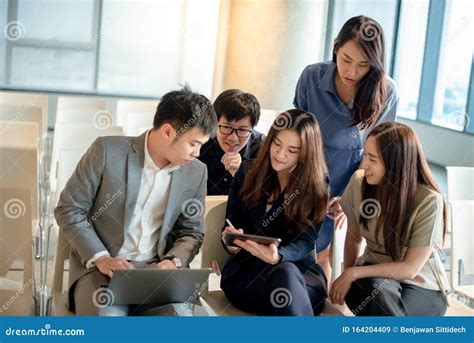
(405, 169)
(308, 179)
(371, 93)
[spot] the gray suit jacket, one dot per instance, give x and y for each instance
(97, 204)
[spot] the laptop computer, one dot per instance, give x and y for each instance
(157, 286)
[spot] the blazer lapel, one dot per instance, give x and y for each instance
(134, 175)
(175, 190)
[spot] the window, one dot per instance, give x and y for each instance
(112, 47)
(452, 86)
(409, 56)
(382, 11)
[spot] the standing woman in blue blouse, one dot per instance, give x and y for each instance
(349, 96)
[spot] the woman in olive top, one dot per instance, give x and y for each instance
(394, 203)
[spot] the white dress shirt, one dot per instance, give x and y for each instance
(141, 239)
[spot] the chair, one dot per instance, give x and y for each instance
(75, 136)
(11, 113)
(59, 297)
(266, 120)
(460, 182)
(81, 102)
(461, 214)
(125, 106)
(212, 201)
(213, 250)
(28, 100)
(91, 116)
(18, 134)
(16, 244)
(20, 170)
(137, 122)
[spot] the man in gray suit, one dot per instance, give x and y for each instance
(137, 202)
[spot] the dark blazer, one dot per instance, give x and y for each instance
(219, 179)
(298, 248)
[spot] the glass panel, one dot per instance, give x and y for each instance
(3, 27)
(141, 47)
(454, 66)
(409, 59)
(55, 19)
(383, 11)
(55, 69)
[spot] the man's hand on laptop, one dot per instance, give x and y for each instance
(165, 264)
(106, 265)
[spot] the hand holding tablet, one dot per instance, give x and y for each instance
(230, 237)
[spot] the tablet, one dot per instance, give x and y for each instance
(229, 239)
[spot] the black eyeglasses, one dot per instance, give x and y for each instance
(228, 130)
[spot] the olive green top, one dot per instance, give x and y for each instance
(425, 229)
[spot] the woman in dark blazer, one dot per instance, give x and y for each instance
(283, 194)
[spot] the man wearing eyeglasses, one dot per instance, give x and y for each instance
(237, 113)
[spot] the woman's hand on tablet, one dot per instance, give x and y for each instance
(267, 253)
(230, 229)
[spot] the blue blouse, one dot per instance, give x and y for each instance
(343, 145)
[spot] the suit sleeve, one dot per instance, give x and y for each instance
(76, 200)
(300, 246)
(187, 234)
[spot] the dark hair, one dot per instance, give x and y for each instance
(184, 110)
(371, 93)
(308, 179)
(405, 169)
(235, 104)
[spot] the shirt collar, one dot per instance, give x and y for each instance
(148, 161)
(327, 80)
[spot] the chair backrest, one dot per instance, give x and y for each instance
(81, 102)
(460, 183)
(96, 118)
(19, 134)
(212, 249)
(135, 122)
(20, 170)
(15, 230)
(266, 120)
(462, 236)
(125, 106)
(212, 201)
(26, 100)
(62, 254)
(68, 159)
(33, 114)
(75, 136)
